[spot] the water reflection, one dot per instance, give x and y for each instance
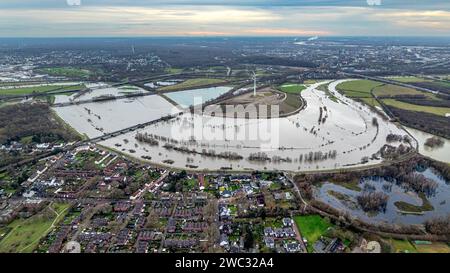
(345, 199)
(439, 153)
(186, 98)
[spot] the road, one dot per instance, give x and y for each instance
(291, 179)
(298, 234)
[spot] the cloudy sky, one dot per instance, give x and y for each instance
(86, 18)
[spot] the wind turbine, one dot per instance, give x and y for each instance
(254, 83)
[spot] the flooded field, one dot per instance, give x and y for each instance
(96, 119)
(343, 138)
(441, 153)
(100, 89)
(186, 98)
(162, 83)
(344, 199)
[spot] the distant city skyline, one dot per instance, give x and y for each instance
(101, 18)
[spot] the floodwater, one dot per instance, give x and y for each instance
(440, 200)
(186, 98)
(347, 131)
(437, 153)
(99, 89)
(161, 83)
(96, 119)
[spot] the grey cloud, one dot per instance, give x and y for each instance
(399, 4)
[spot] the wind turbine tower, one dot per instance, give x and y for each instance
(254, 83)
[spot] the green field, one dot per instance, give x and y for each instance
(357, 94)
(66, 72)
(3, 232)
(273, 223)
(325, 88)
(262, 73)
(310, 82)
(12, 84)
(173, 70)
(25, 234)
(191, 184)
(9, 102)
(351, 185)
(39, 89)
(371, 102)
(402, 246)
(408, 79)
(312, 227)
(290, 104)
(357, 88)
(440, 111)
(440, 84)
(192, 83)
(292, 88)
(361, 89)
(394, 90)
(426, 205)
(432, 248)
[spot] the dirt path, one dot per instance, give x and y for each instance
(48, 230)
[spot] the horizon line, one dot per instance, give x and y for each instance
(227, 36)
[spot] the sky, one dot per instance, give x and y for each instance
(135, 18)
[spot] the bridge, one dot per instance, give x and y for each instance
(130, 129)
(91, 140)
